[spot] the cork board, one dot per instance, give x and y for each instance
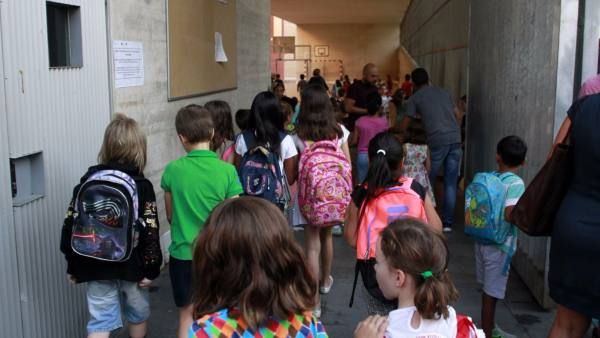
(191, 25)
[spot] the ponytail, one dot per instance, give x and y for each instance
(385, 157)
(422, 253)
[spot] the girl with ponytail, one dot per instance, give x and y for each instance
(385, 195)
(412, 262)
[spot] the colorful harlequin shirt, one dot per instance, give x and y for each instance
(229, 323)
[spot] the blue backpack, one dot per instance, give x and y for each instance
(260, 173)
(484, 208)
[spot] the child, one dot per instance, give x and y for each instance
(250, 276)
(111, 284)
(417, 160)
(492, 259)
(193, 185)
(411, 269)
(288, 113)
(384, 195)
(366, 128)
(319, 134)
(222, 142)
(265, 130)
(242, 119)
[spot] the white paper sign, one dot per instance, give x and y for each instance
(219, 50)
(128, 58)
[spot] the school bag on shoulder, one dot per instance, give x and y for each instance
(484, 208)
(325, 183)
(395, 202)
(105, 226)
(465, 328)
(260, 173)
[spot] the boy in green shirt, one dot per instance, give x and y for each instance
(193, 185)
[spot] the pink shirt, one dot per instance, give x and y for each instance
(368, 127)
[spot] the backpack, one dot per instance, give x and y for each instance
(465, 328)
(325, 183)
(106, 217)
(260, 173)
(484, 208)
(395, 202)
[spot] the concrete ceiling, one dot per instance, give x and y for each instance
(340, 11)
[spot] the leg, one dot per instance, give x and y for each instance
(326, 255)
(313, 250)
(136, 308)
(362, 166)
(569, 323)
(451, 169)
(185, 321)
(180, 272)
(438, 155)
(104, 307)
(488, 313)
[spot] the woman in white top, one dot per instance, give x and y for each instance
(412, 261)
(266, 122)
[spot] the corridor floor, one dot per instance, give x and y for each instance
(518, 314)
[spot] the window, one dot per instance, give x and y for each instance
(64, 35)
(27, 178)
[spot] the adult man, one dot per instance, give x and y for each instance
(355, 102)
(434, 107)
(301, 84)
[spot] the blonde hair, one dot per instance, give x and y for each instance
(124, 143)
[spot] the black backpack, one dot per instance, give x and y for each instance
(106, 217)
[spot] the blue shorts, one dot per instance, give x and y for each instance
(105, 299)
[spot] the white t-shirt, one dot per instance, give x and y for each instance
(400, 325)
(287, 148)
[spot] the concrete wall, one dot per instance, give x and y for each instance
(514, 47)
(435, 34)
(355, 45)
(145, 21)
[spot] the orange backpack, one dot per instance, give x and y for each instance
(395, 202)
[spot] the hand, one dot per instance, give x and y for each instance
(372, 327)
(145, 283)
(71, 279)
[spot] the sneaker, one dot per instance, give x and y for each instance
(317, 311)
(337, 230)
(447, 229)
(325, 289)
(298, 228)
(499, 333)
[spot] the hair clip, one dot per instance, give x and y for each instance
(381, 151)
(427, 274)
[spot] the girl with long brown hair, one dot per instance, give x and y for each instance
(250, 276)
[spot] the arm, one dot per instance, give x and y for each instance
(354, 137)
(432, 216)
(67, 229)
(405, 123)
(169, 205)
(393, 114)
(237, 160)
(290, 166)
(351, 224)
(346, 152)
(349, 105)
(150, 240)
(428, 165)
(372, 327)
(507, 212)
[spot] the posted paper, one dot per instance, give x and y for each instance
(128, 58)
(219, 50)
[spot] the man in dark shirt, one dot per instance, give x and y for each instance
(355, 102)
(435, 108)
(301, 84)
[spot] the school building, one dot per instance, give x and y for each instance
(68, 65)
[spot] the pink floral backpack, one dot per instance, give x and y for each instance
(325, 183)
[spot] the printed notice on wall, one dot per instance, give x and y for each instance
(128, 58)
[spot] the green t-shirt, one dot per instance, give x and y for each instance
(198, 182)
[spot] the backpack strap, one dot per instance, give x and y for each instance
(356, 272)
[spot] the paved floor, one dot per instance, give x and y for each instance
(518, 314)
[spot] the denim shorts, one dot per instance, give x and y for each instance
(105, 299)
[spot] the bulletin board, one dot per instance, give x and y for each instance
(191, 27)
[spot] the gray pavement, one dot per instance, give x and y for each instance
(518, 314)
